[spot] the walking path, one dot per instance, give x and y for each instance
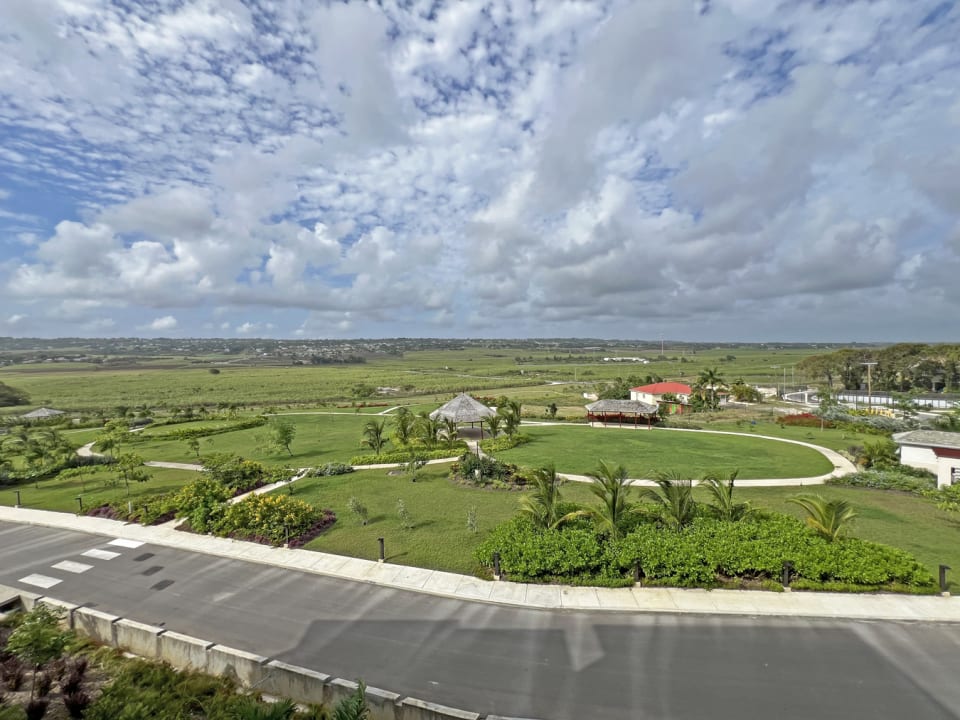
(464, 587)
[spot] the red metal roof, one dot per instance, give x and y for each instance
(662, 388)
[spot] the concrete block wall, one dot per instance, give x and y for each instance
(269, 676)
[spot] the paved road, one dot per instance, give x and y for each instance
(493, 659)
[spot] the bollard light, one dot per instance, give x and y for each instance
(18, 498)
(787, 571)
(943, 579)
(80, 503)
(496, 566)
(286, 536)
(636, 572)
(382, 556)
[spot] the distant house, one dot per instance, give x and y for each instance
(673, 397)
(932, 450)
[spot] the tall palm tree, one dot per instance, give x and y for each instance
(542, 504)
(827, 518)
(674, 498)
(374, 436)
(723, 506)
(403, 423)
(611, 486)
(709, 381)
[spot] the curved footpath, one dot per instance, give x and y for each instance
(464, 587)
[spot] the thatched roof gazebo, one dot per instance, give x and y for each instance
(42, 414)
(463, 409)
(632, 412)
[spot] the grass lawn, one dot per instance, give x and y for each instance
(828, 437)
(578, 449)
(898, 519)
(97, 487)
(438, 506)
(320, 439)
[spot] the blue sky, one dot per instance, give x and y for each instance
(723, 170)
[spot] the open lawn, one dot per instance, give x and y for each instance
(439, 539)
(577, 449)
(96, 487)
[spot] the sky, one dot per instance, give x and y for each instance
(729, 170)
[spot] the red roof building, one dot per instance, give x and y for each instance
(654, 395)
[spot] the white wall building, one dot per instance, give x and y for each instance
(933, 450)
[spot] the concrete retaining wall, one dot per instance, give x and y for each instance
(272, 677)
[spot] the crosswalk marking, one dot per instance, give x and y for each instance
(101, 554)
(72, 567)
(42, 581)
(123, 542)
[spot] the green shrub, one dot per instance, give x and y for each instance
(504, 443)
(902, 479)
(271, 518)
(403, 455)
(331, 469)
(202, 432)
(202, 502)
(484, 470)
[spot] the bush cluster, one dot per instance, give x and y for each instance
(504, 443)
(707, 553)
(272, 520)
(402, 456)
(330, 469)
(804, 420)
(904, 479)
(202, 432)
(484, 470)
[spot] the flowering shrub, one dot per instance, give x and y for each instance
(272, 519)
(803, 420)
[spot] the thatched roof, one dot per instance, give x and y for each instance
(463, 409)
(41, 413)
(626, 407)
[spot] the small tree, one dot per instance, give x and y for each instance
(723, 506)
(493, 424)
(406, 519)
(542, 504)
(552, 410)
(193, 444)
(38, 639)
(358, 509)
(282, 433)
(674, 498)
(130, 468)
(403, 423)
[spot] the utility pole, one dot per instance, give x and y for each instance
(869, 383)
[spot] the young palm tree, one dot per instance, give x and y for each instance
(611, 486)
(493, 424)
(510, 413)
(828, 518)
(449, 431)
(426, 428)
(721, 491)
(374, 437)
(403, 423)
(542, 504)
(674, 498)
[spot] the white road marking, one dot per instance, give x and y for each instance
(72, 567)
(123, 542)
(42, 581)
(101, 554)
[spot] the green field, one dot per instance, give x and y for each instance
(577, 449)
(97, 487)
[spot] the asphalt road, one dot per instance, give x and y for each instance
(509, 661)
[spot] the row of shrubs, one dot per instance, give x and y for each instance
(402, 456)
(202, 432)
(504, 442)
(706, 553)
(902, 479)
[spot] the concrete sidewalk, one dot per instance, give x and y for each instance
(464, 587)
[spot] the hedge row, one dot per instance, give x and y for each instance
(705, 554)
(504, 443)
(202, 432)
(402, 456)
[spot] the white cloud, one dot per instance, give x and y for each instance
(167, 322)
(569, 168)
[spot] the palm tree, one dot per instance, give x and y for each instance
(373, 436)
(674, 499)
(827, 518)
(721, 490)
(250, 708)
(510, 415)
(403, 426)
(426, 428)
(493, 424)
(611, 486)
(542, 504)
(449, 431)
(709, 380)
